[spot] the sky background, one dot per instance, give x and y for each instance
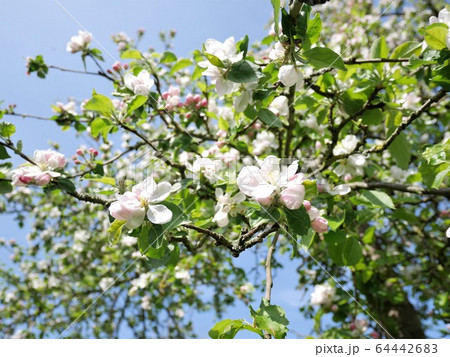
(30, 27)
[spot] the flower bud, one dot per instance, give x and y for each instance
(307, 205)
(292, 197)
(320, 225)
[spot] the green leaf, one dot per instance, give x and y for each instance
(182, 63)
(5, 187)
(151, 241)
(178, 216)
(65, 184)
(269, 118)
(7, 129)
(378, 199)
(170, 258)
(271, 318)
(400, 150)
(100, 104)
(407, 49)
(242, 72)
(379, 48)
(335, 242)
(227, 329)
(436, 36)
(168, 57)
(131, 54)
(106, 180)
(298, 220)
(214, 60)
(243, 46)
(287, 24)
(334, 222)
(3, 153)
(100, 126)
(136, 103)
(115, 231)
(314, 29)
(322, 57)
(276, 15)
(372, 117)
(352, 252)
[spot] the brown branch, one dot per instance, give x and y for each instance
(11, 146)
(405, 123)
(269, 280)
(374, 60)
(99, 73)
(399, 187)
(91, 199)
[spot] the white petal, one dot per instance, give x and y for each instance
(129, 80)
(159, 214)
(270, 164)
(137, 220)
(239, 197)
(249, 178)
(161, 192)
(341, 190)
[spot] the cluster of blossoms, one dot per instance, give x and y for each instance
(323, 294)
(354, 164)
(272, 183)
(82, 153)
(173, 100)
(46, 162)
(143, 200)
(79, 42)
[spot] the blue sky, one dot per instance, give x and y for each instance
(43, 27)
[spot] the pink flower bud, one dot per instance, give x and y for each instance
(307, 205)
(117, 66)
(256, 126)
(125, 66)
(334, 308)
(77, 162)
(80, 152)
(189, 99)
(375, 335)
(204, 102)
(197, 98)
(220, 144)
(264, 201)
(352, 326)
(188, 115)
(222, 133)
(165, 95)
(318, 145)
(109, 71)
(320, 225)
(348, 177)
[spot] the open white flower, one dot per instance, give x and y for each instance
(278, 52)
(209, 168)
(227, 205)
(263, 141)
(132, 206)
(140, 84)
(267, 181)
(346, 146)
(353, 165)
(77, 43)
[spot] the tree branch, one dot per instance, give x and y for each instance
(405, 123)
(91, 199)
(399, 187)
(268, 266)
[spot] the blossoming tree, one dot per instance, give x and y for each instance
(325, 143)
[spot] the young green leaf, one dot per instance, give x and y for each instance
(322, 57)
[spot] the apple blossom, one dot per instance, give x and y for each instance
(132, 206)
(346, 146)
(172, 97)
(183, 275)
(69, 107)
(267, 182)
(209, 168)
(227, 205)
(289, 75)
(279, 105)
(278, 52)
(444, 18)
(320, 225)
(42, 173)
(140, 84)
(264, 140)
(323, 294)
(246, 288)
(226, 52)
(79, 42)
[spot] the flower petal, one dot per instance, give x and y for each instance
(249, 178)
(159, 214)
(270, 164)
(160, 193)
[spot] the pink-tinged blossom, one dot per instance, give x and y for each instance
(271, 180)
(141, 201)
(289, 75)
(42, 173)
(320, 225)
